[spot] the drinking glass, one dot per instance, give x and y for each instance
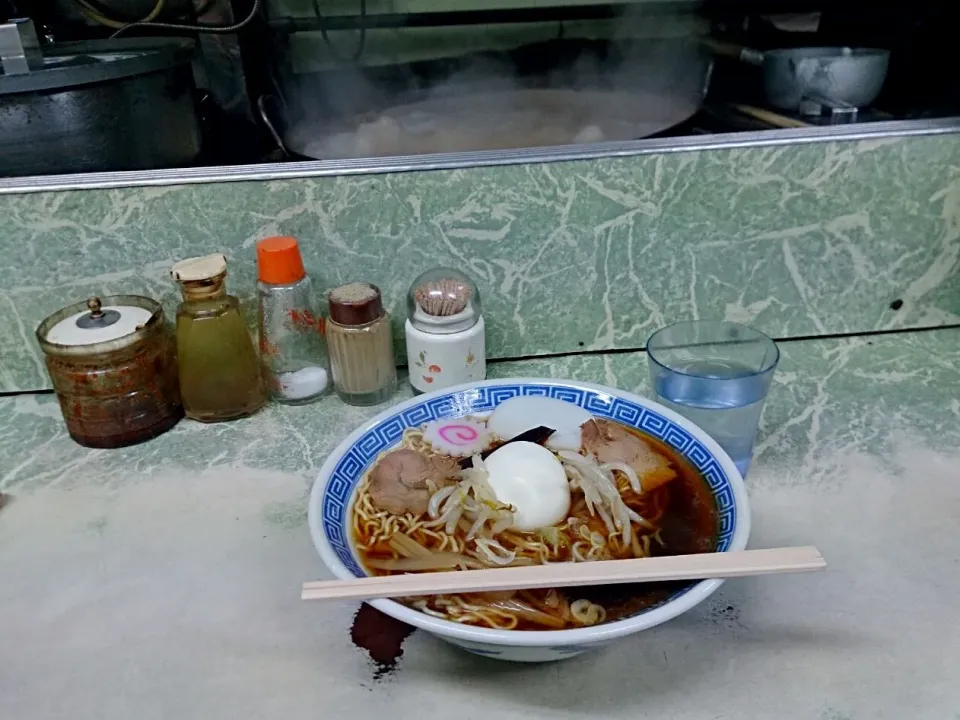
(717, 375)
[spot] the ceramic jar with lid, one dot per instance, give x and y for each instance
(445, 331)
(113, 366)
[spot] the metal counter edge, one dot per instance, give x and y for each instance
(449, 161)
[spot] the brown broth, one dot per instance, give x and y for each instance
(690, 524)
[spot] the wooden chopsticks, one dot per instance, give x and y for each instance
(605, 572)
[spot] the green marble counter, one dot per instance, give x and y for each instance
(162, 581)
(816, 406)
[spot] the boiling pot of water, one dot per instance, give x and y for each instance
(643, 93)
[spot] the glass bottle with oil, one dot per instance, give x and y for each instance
(220, 375)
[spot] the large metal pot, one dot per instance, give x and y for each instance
(488, 121)
(636, 91)
(837, 77)
(101, 105)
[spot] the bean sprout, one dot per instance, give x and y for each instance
(599, 487)
(473, 500)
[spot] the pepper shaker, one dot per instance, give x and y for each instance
(360, 342)
(444, 330)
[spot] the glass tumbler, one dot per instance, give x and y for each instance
(717, 375)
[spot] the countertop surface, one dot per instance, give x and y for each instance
(162, 581)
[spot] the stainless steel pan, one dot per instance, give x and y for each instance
(835, 77)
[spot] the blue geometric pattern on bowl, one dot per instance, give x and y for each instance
(352, 467)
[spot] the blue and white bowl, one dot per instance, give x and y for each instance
(335, 487)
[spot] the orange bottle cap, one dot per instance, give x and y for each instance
(279, 261)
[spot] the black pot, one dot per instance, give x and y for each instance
(100, 106)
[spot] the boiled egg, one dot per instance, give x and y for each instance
(522, 413)
(530, 478)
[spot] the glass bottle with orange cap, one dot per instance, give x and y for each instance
(293, 353)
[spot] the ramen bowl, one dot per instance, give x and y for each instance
(336, 486)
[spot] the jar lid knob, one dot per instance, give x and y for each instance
(97, 317)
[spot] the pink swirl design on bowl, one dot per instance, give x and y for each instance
(458, 434)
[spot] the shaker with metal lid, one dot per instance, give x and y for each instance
(444, 330)
(113, 366)
(360, 342)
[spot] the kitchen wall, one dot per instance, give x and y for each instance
(310, 52)
(332, 8)
(797, 240)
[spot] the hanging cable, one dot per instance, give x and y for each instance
(361, 41)
(98, 12)
(96, 15)
(198, 27)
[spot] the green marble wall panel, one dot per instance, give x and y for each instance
(797, 240)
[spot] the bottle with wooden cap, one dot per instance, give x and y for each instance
(219, 368)
(360, 342)
(292, 351)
